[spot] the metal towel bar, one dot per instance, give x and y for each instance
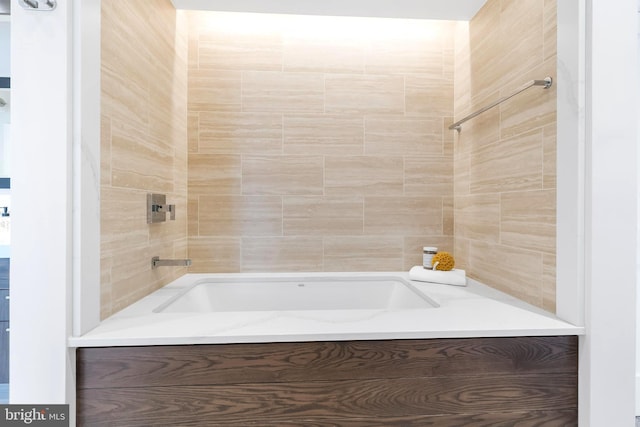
(546, 82)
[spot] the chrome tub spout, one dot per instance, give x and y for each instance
(157, 262)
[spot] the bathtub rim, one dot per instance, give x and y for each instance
(476, 310)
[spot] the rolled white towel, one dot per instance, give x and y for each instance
(454, 277)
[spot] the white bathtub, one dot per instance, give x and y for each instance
(288, 307)
(298, 294)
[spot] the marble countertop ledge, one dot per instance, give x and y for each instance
(472, 311)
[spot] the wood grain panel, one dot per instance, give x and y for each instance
(290, 362)
(444, 382)
(566, 418)
(322, 399)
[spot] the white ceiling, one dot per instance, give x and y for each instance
(417, 9)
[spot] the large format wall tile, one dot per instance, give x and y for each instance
(406, 137)
(272, 91)
(323, 134)
(214, 174)
(318, 150)
(322, 216)
(363, 253)
(262, 254)
(364, 94)
(143, 146)
(282, 175)
(505, 159)
(363, 175)
(237, 133)
(403, 216)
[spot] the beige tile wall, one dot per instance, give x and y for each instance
(294, 148)
(317, 150)
(504, 161)
(144, 145)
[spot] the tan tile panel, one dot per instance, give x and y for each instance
(215, 90)
(105, 150)
(211, 174)
(363, 253)
(429, 96)
(214, 254)
(448, 137)
(461, 253)
(462, 75)
(240, 133)
(232, 215)
(271, 91)
(403, 215)
(528, 220)
(485, 128)
(549, 282)
(550, 155)
(461, 169)
(410, 54)
(140, 165)
(531, 109)
(193, 222)
(364, 94)
(363, 175)
(123, 99)
(105, 286)
(132, 276)
(448, 216)
(323, 134)
(403, 136)
(485, 62)
(240, 50)
(193, 131)
(550, 28)
(428, 176)
(322, 216)
(264, 254)
(477, 217)
(511, 270)
(322, 53)
(521, 50)
(282, 175)
(510, 165)
(413, 248)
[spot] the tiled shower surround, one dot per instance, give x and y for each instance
(321, 144)
(311, 151)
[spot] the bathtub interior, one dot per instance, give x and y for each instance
(298, 293)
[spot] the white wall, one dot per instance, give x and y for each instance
(607, 352)
(41, 366)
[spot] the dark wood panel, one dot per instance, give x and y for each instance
(331, 399)
(290, 362)
(567, 418)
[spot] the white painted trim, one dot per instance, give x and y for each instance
(570, 168)
(86, 166)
